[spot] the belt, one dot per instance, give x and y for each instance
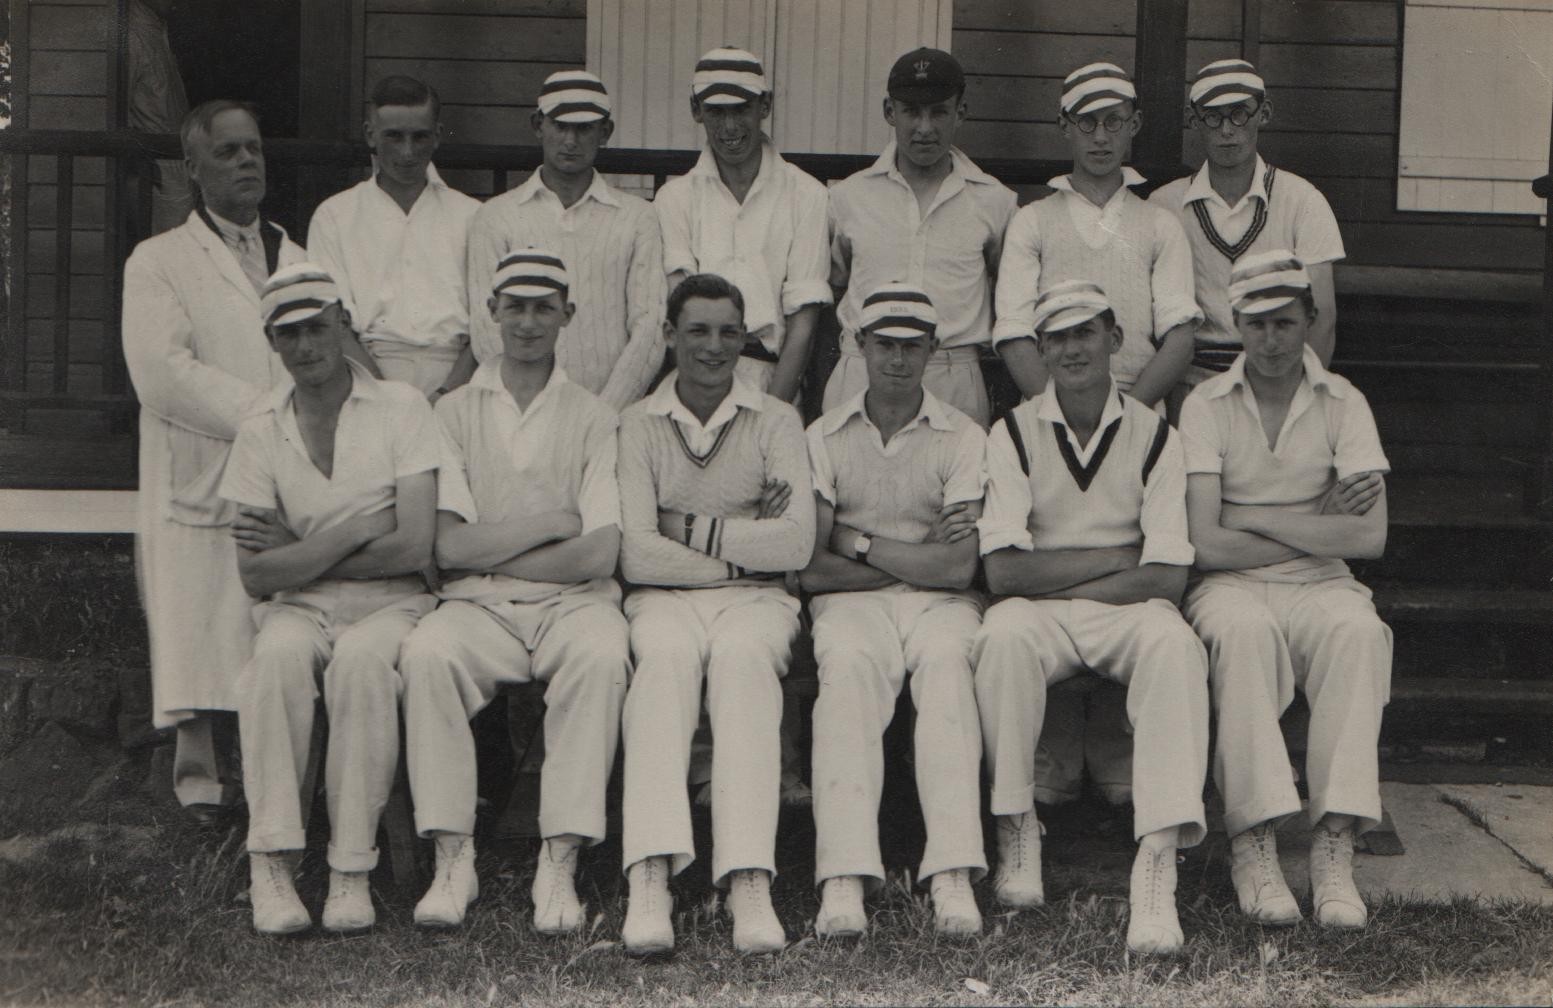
(755, 349)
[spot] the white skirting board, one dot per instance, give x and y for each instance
(86, 511)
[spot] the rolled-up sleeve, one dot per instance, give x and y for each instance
(598, 496)
(1163, 518)
(1019, 278)
(1171, 281)
(1005, 520)
(672, 204)
(820, 469)
(1358, 442)
(248, 479)
(967, 479)
(808, 258)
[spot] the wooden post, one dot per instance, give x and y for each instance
(13, 351)
(324, 95)
(1160, 73)
(1250, 30)
(1539, 485)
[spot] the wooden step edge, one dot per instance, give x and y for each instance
(1521, 607)
(1521, 698)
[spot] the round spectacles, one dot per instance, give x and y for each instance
(1238, 116)
(1087, 123)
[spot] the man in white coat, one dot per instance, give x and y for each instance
(199, 360)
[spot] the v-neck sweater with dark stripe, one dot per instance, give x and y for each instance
(657, 472)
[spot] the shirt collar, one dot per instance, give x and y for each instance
(1201, 189)
(960, 163)
(1130, 177)
(1316, 376)
(1051, 410)
(487, 378)
(706, 165)
(600, 190)
(665, 401)
(229, 231)
(932, 410)
(363, 387)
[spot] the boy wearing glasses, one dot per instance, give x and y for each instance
(1238, 205)
(1093, 228)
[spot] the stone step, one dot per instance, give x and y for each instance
(1508, 607)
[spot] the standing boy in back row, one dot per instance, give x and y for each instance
(745, 214)
(1238, 205)
(924, 214)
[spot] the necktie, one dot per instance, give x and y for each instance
(250, 255)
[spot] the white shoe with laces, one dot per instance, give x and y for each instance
(454, 886)
(276, 908)
(649, 926)
(841, 908)
(556, 907)
(955, 914)
(1018, 881)
(1152, 925)
(349, 906)
(1263, 894)
(756, 929)
(1335, 900)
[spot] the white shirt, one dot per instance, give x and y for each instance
(401, 275)
(701, 437)
(771, 246)
(613, 252)
(559, 453)
(1329, 434)
(1172, 298)
(896, 488)
(879, 235)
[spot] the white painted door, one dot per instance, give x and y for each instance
(827, 61)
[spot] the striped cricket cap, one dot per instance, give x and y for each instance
(1266, 282)
(1094, 87)
(530, 273)
(728, 76)
(296, 293)
(574, 96)
(1226, 82)
(899, 309)
(1067, 304)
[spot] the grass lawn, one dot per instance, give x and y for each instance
(141, 909)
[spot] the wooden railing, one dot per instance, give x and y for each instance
(320, 164)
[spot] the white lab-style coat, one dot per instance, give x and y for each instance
(199, 361)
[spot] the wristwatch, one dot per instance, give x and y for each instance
(860, 546)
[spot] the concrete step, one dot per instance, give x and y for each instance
(1507, 607)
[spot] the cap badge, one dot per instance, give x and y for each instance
(922, 68)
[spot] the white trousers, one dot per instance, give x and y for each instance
(738, 640)
(1264, 639)
(865, 643)
(425, 368)
(1025, 645)
(462, 654)
(354, 638)
(953, 375)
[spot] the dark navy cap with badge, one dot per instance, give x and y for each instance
(926, 75)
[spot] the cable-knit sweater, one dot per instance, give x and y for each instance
(729, 545)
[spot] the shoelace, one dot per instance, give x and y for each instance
(1021, 841)
(1335, 854)
(1156, 886)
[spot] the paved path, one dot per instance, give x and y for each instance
(1482, 841)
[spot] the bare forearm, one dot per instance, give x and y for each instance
(483, 545)
(794, 357)
(1227, 549)
(1040, 572)
(1139, 584)
(1024, 365)
(463, 368)
(571, 561)
(1339, 536)
(828, 572)
(301, 562)
(399, 552)
(926, 564)
(1164, 371)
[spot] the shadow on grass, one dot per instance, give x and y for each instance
(156, 915)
